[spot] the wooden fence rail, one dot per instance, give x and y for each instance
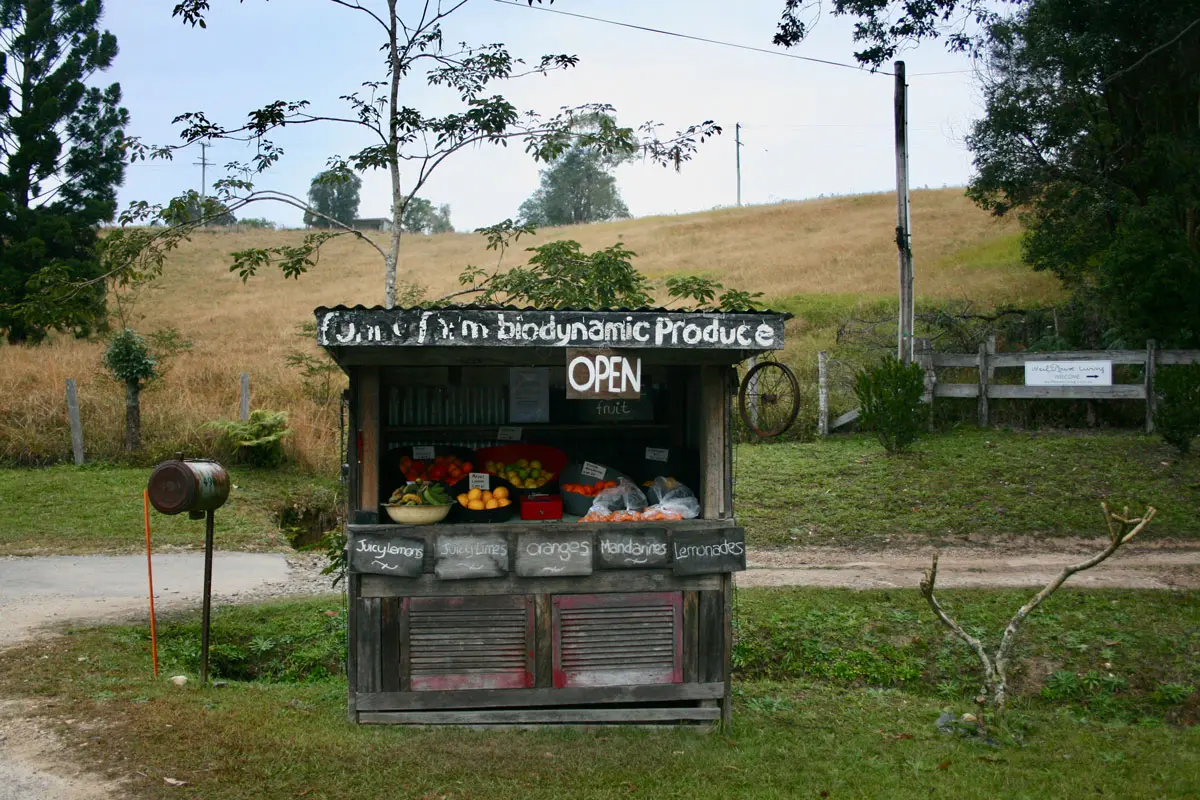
(987, 361)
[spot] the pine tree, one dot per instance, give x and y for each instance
(62, 156)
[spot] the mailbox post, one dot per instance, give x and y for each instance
(199, 487)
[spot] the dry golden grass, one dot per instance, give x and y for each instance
(839, 248)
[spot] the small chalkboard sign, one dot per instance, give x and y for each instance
(554, 555)
(640, 549)
(614, 410)
(465, 556)
(707, 552)
(387, 555)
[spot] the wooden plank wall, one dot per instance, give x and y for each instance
(380, 673)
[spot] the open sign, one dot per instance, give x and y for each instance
(599, 374)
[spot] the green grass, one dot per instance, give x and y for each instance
(965, 483)
(1110, 655)
(800, 737)
(1000, 254)
(98, 509)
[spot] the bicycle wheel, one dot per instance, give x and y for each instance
(769, 399)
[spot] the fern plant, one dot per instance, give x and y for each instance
(257, 441)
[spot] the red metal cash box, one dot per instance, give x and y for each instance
(541, 506)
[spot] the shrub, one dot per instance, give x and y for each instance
(257, 441)
(1177, 416)
(890, 403)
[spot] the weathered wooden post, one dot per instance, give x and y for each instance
(244, 409)
(924, 357)
(984, 369)
(1151, 400)
(822, 394)
(76, 425)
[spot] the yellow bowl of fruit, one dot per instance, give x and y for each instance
(495, 502)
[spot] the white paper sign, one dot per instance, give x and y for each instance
(509, 433)
(423, 453)
(528, 394)
(480, 480)
(1068, 373)
(593, 470)
(657, 454)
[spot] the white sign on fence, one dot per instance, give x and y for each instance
(1068, 373)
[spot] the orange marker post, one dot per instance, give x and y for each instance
(150, 575)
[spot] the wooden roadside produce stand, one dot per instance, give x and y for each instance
(543, 620)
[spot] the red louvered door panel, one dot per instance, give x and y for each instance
(470, 642)
(618, 639)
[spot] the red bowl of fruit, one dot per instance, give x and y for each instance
(528, 467)
(442, 463)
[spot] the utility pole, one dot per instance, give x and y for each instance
(904, 334)
(203, 164)
(737, 138)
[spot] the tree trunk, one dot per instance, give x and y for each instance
(133, 416)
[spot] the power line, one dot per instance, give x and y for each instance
(854, 67)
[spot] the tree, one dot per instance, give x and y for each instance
(1121, 530)
(576, 188)
(1090, 134)
(333, 199)
(192, 209)
(421, 217)
(885, 27)
(129, 360)
(62, 147)
(408, 143)
(561, 275)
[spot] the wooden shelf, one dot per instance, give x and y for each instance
(573, 427)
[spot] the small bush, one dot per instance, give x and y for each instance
(257, 441)
(1177, 416)
(890, 403)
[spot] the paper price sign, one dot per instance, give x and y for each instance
(509, 433)
(593, 470)
(657, 454)
(480, 480)
(423, 453)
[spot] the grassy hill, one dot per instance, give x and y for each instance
(819, 259)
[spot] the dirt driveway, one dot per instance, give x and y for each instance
(37, 594)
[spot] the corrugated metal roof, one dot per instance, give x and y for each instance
(642, 310)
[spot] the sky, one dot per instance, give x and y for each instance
(808, 129)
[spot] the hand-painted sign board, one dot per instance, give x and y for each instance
(379, 327)
(640, 549)
(1068, 373)
(603, 375)
(387, 555)
(554, 555)
(468, 556)
(707, 552)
